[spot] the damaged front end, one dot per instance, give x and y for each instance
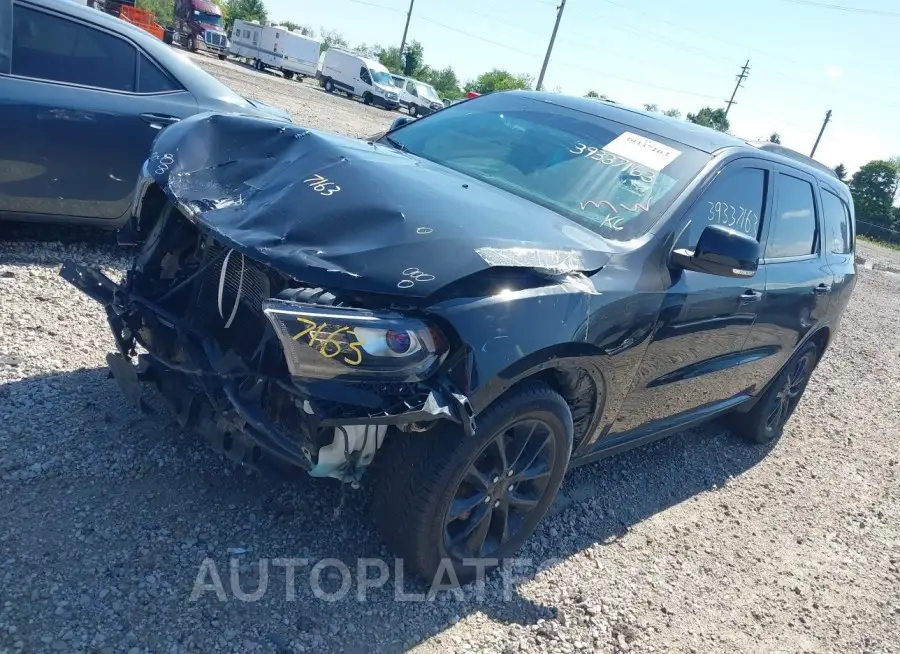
(262, 366)
(286, 294)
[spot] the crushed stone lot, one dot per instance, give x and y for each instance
(698, 543)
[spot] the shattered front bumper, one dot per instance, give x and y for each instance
(211, 393)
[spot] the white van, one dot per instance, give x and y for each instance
(419, 98)
(358, 77)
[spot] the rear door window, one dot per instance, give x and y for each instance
(793, 232)
(56, 49)
(836, 216)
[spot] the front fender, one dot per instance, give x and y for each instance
(516, 333)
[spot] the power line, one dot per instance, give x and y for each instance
(855, 10)
(475, 36)
(375, 4)
(565, 63)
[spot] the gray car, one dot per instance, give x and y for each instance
(83, 94)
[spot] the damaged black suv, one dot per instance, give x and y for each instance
(465, 307)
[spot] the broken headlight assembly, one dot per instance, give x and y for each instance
(321, 342)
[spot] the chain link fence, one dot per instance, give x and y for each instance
(877, 232)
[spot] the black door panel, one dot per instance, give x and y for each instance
(695, 358)
(799, 281)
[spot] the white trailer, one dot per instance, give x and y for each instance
(267, 46)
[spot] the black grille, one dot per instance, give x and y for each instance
(229, 308)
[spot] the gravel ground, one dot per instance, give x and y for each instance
(698, 543)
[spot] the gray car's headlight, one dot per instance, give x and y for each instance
(326, 343)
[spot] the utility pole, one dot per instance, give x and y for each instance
(745, 72)
(559, 13)
(406, 29)
(821, 131)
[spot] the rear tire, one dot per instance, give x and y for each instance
(443, 496)
(288, 74)
(765, 422)
(329, 85)
(222, 57)
(191, 44)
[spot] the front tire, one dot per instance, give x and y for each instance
(367, 98)
(765, 422)
(442, 496)
(222, 57)
(412, 110)
(192, 44)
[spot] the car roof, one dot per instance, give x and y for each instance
(696, 136)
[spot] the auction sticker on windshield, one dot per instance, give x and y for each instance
(642, 150)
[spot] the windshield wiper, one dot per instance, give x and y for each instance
(397, 144)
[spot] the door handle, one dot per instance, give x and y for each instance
(749, 296)
(158, 121)
(822, 289)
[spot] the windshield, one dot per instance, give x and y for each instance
(381, 77)
(208, 19)
(607, 176)
(398, 81)
(427, 91)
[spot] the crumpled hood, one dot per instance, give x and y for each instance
(347, 214)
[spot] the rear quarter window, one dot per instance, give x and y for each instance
(836, 214)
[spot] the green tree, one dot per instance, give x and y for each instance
(651, 107)
(708, 117)
(445, 82)
(775, 137)
(413, 61)
(499, 80)
(895, 161)
(672, 113)
(249, 10)
(291, 26)
(841, 171)
(163, 10)
(368, 51)
(873, 187)
(332, 39)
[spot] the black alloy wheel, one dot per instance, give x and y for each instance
(766, 420)
(501, 488)
(442, 497)
(788, 395)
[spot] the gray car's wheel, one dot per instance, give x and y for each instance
(765, 422)
(442, 496)
(329, 85)
(412, 110)
(367, 98)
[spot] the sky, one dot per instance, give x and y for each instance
(806, 56)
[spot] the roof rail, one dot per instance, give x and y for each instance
(777, 148)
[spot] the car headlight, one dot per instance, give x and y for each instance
(327, 343)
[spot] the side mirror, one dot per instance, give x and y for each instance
(720, 251)
(400, 121)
